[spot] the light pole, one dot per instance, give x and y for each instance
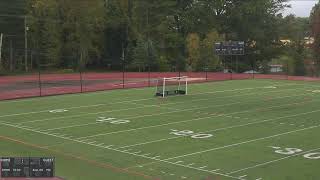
(1, 39)
(26, 43)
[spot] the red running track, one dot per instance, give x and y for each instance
(13, 87)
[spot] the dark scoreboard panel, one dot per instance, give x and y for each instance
(27, 167)
(230, 48)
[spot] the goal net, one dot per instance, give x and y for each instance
(172, 86)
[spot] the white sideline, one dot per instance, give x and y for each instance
(196, 119)
(127, 101)
(195, 100)
(119, 151)
(167, 160)
(273, 161)
(226, 128)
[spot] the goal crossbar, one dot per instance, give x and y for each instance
(172, 86)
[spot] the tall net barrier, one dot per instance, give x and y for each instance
(17, 86)
(46, 79)
(54, 80)
(274, 71)
(107, 77)
(139, 67)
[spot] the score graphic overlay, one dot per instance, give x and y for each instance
(27, 167)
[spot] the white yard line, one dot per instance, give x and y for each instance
(231, 145)
(121, 102)
(225, 128)
(273, 161)
(177, 110)
(161, 106)
(135, 117)
(178, 122)
(167, 160)
(70, 108)
(244, 142)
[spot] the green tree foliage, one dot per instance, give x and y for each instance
(208, 58)
(157, 34)
(12, 27)
(193, 48)
(315, 25)
(66, 33)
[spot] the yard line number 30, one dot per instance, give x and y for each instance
(293, 151)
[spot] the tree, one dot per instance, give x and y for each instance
(193, 49)
(315, 28)
(209, 59)
(12, 27)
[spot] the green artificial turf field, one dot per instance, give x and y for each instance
(248, 130)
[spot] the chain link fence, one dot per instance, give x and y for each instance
(46, 80)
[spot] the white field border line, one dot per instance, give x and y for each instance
(178, 122)
(127, 101)
(161, 106)
(167, 160)
(231, 145)
(95, 105)
(110, 91)
(225, 128)
(100, 93)
(273, 161)
(177, 110)
(119, 151)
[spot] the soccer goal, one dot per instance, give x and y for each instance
(172, 86)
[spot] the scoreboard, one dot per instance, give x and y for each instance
(230, 48)
(27, 167)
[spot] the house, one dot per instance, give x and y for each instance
(276, 68)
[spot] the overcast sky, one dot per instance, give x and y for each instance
(300, 8)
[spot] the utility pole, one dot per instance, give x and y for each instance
(123, 66)
(106, 3)
(26, 44)
(11, 55)
(1, 39)
(148, 48)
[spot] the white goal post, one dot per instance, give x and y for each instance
(172, 86)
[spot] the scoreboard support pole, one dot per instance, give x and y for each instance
(237, 64)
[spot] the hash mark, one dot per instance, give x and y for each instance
(215, 170)
(178, 162)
